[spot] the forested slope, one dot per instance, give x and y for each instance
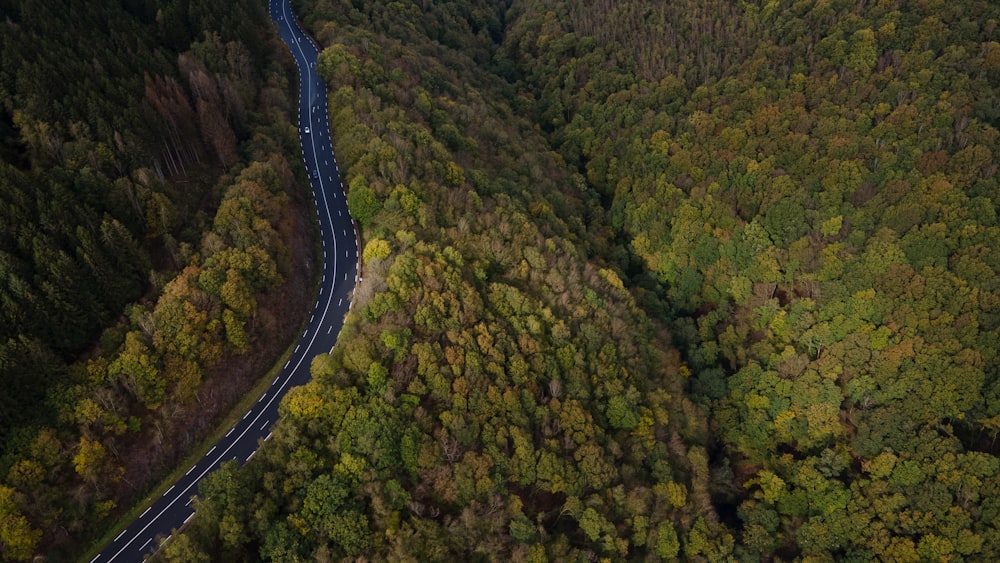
(152, 236)
(811, 189)
(802, 193)
(496, 393)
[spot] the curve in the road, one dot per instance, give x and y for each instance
(340, 268)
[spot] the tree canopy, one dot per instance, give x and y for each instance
(699, 280)
(809, 192)
(152, 233)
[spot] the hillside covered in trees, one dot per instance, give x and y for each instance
(644, 280)
(810, 189)
(704, 280)
(152, 233)
(697, 280)
(496, 392)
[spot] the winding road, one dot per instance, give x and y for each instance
(340, 268)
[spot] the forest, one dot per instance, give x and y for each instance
(707, 281)
(810, 192)
(154, 225)
(701, 281)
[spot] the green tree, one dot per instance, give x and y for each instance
(18, 538)
(667, 544)
(329, 511)
(136, 365)
(362, 201)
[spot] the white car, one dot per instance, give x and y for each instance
(306, 130)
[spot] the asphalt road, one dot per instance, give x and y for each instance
(340, 267)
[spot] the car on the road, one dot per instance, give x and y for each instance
(316, 173)
(305, 130)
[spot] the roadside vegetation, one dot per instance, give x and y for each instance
(153, 233)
